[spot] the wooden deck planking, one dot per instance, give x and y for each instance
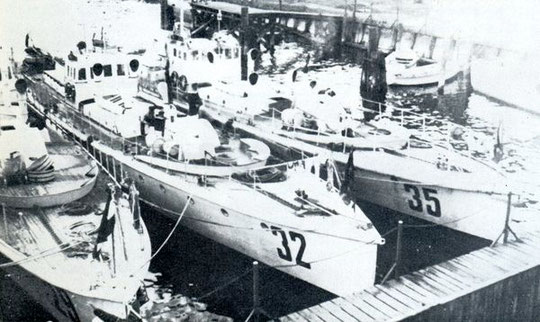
(475, 263)
(459, 272)
(322, 313)
(524, 249)
(440, 271)
(444, 279)
(309, 316)
(378, 304)
(407, 292)
(398, 296)
(352, 310)
(509, 255)
(418, 291)
(395, 304)
(374, 310)
(498, 261)
(339, 312)
(295, 317)
(435, 283)
(418, 288)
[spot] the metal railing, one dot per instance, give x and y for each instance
(419, 124)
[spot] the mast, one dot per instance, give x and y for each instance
(182, 19)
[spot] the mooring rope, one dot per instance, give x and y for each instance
(43, 254)
(170, 233)
(224, 285)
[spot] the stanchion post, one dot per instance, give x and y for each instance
(398, 249)
(6, 229)
(507, 220)
(256, 303)
(507, 228)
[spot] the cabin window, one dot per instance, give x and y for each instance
(228, 53)
(185, 56)
(174, 52)
(91, 73)
(120, 71)
(82, 74)
(195, 54)
(236, 53)
(107, 70)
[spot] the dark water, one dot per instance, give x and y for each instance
(195, 266)
(15, 304)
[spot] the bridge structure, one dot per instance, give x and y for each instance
(336, 34)
(265, 27)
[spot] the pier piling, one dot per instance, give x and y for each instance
(6, 229)
(243, 42)
(397, 270)
(256, 303)
(373, 81)
(396, 267)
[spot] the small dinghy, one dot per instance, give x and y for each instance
(404, 67)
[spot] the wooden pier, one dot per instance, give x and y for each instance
(500, 283)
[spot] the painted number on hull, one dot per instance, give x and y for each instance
(285, 252)
(417, 200)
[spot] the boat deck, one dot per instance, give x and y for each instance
(452, 287)
(39, 225)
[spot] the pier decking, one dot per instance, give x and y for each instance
(498, 283)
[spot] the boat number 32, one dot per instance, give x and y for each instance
(427, 199)
(284, 252)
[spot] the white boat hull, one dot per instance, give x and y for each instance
(339, 265)
(197, 169)
(277, 238)
(474, 212)
(421, 76)
(62, 304)
(465, 208)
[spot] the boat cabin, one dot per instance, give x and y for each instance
(102, 71)
(201, 60)
(12, 100)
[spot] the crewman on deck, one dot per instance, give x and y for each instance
(193, 99)
(148, 120)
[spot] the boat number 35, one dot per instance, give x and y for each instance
(284, 252)
(427, 198)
